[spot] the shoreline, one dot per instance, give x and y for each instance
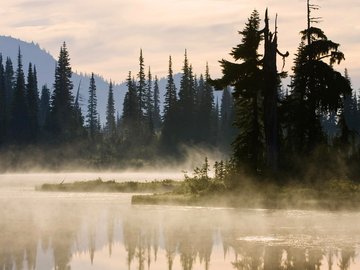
(170, 192)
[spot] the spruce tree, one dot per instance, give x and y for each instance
(149, 114)
(169, 135)
(32, 96)
(132, 116)
(9, 91)
(44, 107)
(206, 108)
(246, 77)
(79, 119)
(3, 104)
(227, 130)
(63, 122)
(20, 115)
(110, 112)
(317, 88)
(157, 116)
(92, 115)
(141, 86)
(186, 104)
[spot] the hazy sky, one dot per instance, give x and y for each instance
(105, 36)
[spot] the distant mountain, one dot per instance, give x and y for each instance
(45, 65)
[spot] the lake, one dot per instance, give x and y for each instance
(52, 230)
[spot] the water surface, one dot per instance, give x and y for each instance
(52, 230)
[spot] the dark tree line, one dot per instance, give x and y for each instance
(315, 119)
(270, 131)
(141, 131)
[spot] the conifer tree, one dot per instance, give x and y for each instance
(227, 131)
(32, 97)
(348, 114)
(169, 136)
(186, 104)
(141, 86)
(110, 112)
(64, 124)
(316, 88)
(20, 115)
(44, 107)
(92, 115)
(3, 104)
(131, 117)
(9, 89)
(149, 114)
(246, 78)
(79, 119)
(157, 116)
(206, 108)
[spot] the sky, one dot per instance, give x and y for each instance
(105, 36)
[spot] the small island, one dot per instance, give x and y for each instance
(223, 189)
(99, 185)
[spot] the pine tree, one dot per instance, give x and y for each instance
(157, 116)
(205, 110)
(246, 78)
(79, 119)
(186, 104)
(227, 131)
(3, 104)
(149, 114)
(141, 86)
(44, 107)
(348, 115)
(32, 96)
(20, 115)
(9, 91)
(110, 112)
(132, 116)
(169, 136)
(92, 115)
(63, 122)
(316, 88)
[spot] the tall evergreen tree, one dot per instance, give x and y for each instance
(3, 104)
(316, 88)
(227, 130)
(246, 78)
(44, 107)
(186, 104)
(20, 115)
(131, 117)
(141, 86)
(169, 136)
(157, 116)
(110, 112)
(64, 123)
(92, 115)
(149, 114)
(206, 108)
(9, 90)
(32, 96)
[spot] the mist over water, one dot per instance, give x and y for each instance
(41, 230)
(33, 179)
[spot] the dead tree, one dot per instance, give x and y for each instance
(271, 86)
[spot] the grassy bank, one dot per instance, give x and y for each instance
(335, 195)
(111, 186)
(203, 191)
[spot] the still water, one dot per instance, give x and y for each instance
(40, 230)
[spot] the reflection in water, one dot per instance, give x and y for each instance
(104, 231)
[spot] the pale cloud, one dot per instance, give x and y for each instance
(105, 36)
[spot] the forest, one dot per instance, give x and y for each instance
(265, 129)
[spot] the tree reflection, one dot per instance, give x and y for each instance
(181, 241)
